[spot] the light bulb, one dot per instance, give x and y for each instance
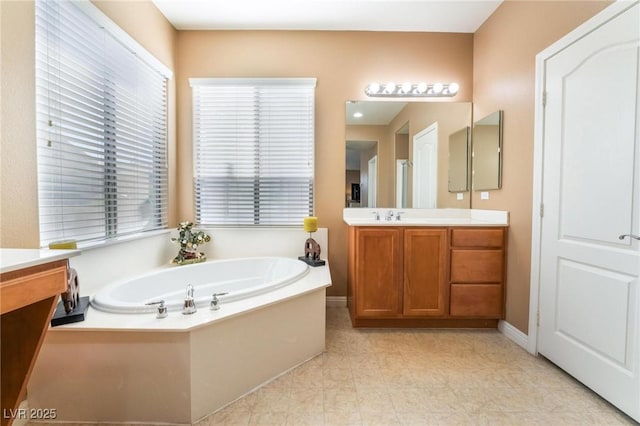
(389, 87)
(373, 88)
(453, 88)
(422, 87)
(357, 115)
(406, 87)
(437, 88)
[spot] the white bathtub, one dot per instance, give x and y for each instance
(239, 278)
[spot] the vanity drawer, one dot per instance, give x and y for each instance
(483, 237)
(477, 266)
(476, 300)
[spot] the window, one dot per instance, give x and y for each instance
(253, 150)
(101, 118)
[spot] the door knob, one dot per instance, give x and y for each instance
(635, 237)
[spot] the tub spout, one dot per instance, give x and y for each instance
(189, 303)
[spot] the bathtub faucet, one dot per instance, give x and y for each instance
(189, 303)
(162, 309)
(215, 302)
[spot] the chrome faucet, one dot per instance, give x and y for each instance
(162, 309)
(398, 215)
(189, 306)
(376, 215)
(215, 302)
(389, 215)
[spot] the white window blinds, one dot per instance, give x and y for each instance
(101, 116)
(253, 150)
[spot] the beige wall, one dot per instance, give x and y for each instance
(504, 73)
(18, 190)
(343, 63)
(18, 173)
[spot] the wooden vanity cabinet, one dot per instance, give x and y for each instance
(403, 276)
(477, 272)
(397, 272)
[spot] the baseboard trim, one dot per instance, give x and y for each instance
(515, 335)
(336, 301)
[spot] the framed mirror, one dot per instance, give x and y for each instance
(487, 152)
(408, 139)
(459, 160)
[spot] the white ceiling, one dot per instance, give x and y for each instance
(461, 16)
(373, 112)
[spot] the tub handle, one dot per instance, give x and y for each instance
(215, 302)
(622, 237)
(162, 309)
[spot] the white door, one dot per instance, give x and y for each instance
(372, 170)
(425, 168)
(589, 304)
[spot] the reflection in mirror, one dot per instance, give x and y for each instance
(487, 152)
(459, 160)
(360, 154)
(402, 166)
(386, 129)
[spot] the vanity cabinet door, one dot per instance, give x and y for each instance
(425, 282)
(378, 274)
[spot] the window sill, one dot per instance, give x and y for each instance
(90, 245)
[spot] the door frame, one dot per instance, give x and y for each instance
(433, 170)
(581, 31)
(372, 178)
(402, 179)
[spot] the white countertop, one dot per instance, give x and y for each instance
(424, 217)
(14, 259)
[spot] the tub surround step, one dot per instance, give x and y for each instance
(153, 376)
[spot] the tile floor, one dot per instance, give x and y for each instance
(420, 377)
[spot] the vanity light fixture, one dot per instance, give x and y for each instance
(393, 90)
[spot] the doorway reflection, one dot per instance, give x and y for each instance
(359, 177)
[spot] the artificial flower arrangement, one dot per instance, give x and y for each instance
(189, 241)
